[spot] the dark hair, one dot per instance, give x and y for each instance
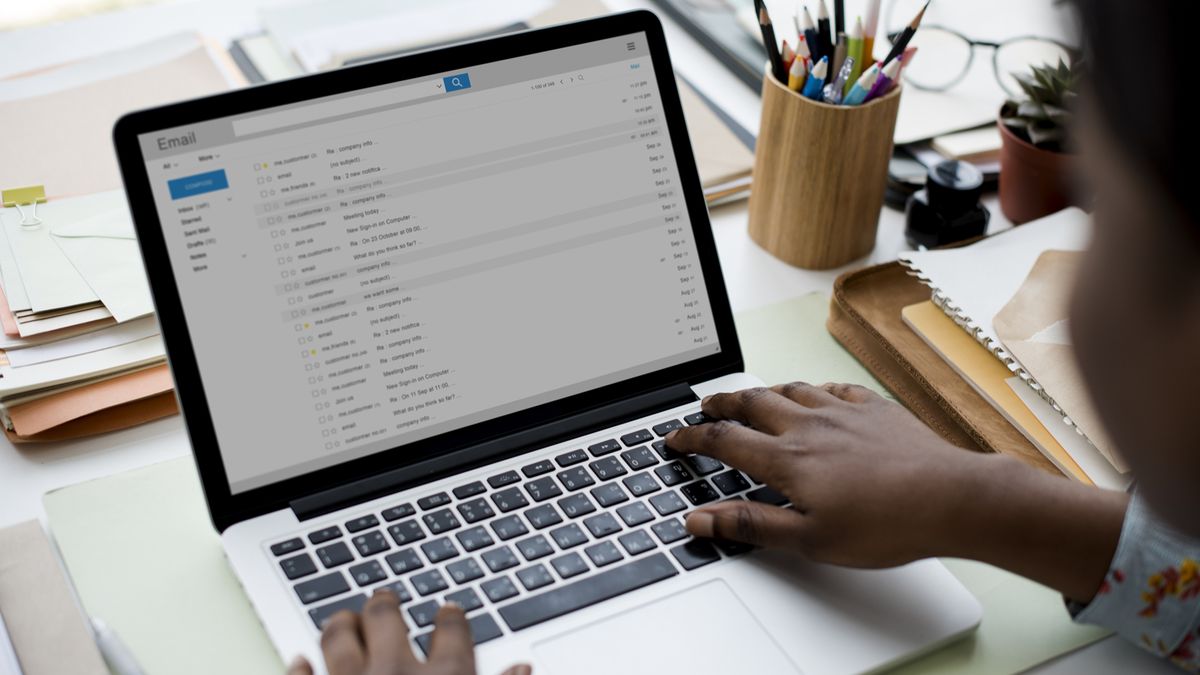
(1142, 67)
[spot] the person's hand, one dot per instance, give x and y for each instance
(376, 643)
(871, 485)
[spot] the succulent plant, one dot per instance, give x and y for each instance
(1044, 117)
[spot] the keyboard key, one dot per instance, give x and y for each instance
(534, 547)
(673, 474)
(587, 592)
(537, 468)
(433, 501)
(667, 427)
(604, 447)
(576, 478)
(404, 561)
(571, 458)
(569, 565)
(398, 512)
(370, 543)
(636, 543)
(325, 534)
(320, 615)
(669, 531)
(695, 553)
(504, 479)
(730, 482)
(568, 536)
(702, 466)
(576, 505)
(667, 454)
(499, 559)
(542, 489)
(732, 547)
(609, 494)
(541, 517)
(483, 629)
(635, 514)
(697, 418)
(534, 577)
(297, 566)
(367, 573)
(428, 583)
(507, 528)
(423, 613)
(509, 499)
(636, 438)
(667, 503)
(641, 484)
(398, 588)
(498, 589)
(441, 521)
(469, 490)
(699, 492)
(464, 571)
(361, 523)
(604, 553)
(475, 539)
(283, 547)
(439, 550)
(608, 468)
(322, 587)
(406, 532)
(334, 554)
(466, 598)
(767, 495)
(602, 525)
(639, 458)
(475, 510)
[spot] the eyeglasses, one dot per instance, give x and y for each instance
(945, 57)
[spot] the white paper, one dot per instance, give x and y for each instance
(113, 359)
(104, 250)
(111, 336)
(8, 656)
(10, 276)
(980, 279)
(69, 320)
(50, 279)
(1084, 453)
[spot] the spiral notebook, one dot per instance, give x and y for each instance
(973, 284)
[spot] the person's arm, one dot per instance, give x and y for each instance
(872, 486)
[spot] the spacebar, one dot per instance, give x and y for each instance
(586, 592)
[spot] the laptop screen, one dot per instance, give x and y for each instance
(366, 270)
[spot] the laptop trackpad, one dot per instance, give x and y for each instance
(705, 629)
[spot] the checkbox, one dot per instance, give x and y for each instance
(278, 247)
(281, 260)
(263, 194)
(291, 301)
(283, 275)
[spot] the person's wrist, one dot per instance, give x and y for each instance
(984, 494)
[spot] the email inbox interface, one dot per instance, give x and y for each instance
(359, 277)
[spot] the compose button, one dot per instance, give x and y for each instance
(190, 186)
(456, 82)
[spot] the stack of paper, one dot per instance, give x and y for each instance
(80, 350)
(1009, 293)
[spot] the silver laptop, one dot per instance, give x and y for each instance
(430, 319)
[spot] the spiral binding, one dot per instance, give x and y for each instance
(965, 322)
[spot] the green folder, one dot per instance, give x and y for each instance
(144, 557)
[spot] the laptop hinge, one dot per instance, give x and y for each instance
(365, 489)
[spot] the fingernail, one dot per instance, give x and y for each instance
(522, 669)
(671, 434)
(453, 605)
(704, 401)
(297, 663)
(700, 523)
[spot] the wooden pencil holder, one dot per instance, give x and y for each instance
(820, 172)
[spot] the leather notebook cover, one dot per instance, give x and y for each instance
(865, 317)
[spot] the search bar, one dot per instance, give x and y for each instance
(352, 104)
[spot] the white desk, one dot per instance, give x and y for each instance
(753, 277)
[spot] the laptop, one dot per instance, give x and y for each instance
(430, 319)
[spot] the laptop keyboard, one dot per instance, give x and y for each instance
(561, 535)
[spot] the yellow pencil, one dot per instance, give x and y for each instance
(797, 75)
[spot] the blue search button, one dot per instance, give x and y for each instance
(190, 186)
(456, 82)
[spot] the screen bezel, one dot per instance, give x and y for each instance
(227, 508)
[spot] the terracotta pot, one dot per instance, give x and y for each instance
(1033, 182)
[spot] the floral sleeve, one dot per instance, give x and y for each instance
(1151, 595)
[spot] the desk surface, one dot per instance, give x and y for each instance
(753, 277)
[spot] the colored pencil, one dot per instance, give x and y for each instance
(906, 35)
(772, 47)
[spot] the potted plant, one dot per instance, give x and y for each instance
(1035, 164)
